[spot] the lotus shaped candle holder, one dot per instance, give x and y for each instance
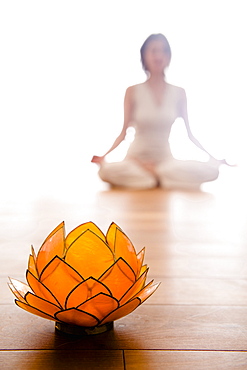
(85, 281)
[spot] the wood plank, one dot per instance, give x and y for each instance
(185, 360)
(195, 245)
(189, 291)
(62, 360)
(161, 265)
(148, 327)
(164, 263)
(196, 267)
(178, 291)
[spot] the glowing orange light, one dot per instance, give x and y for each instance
(86, 279)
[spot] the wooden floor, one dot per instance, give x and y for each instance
(196, 246)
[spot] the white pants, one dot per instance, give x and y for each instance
(172, 174)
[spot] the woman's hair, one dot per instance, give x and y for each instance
(154, 37)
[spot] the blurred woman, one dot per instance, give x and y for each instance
(151, 108)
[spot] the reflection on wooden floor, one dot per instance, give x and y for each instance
(196, 245)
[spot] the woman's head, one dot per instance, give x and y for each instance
(155, 52)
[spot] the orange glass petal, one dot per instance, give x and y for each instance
(52, 246)
(146, 292)
(19, 289)
(122, 311)
(89, 255)
(111, 236)
(33, 254)
(33, 310)
(140, 259)
(100, 305)
(139, 284)
(86, 290)
(39, 289)
(125, 249)
(79, 230)
(86, 279)
(41, 304)
(60, 279)
(74, 316)
(32, 266)
(122, 246)
(119, 278)
(143, 269)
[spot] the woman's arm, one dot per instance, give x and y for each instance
(184, 115)
(128, 110)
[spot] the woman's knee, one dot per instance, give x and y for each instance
(127, 174)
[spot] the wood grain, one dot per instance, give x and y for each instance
(62, 360)
(195, 246)
(186, 360)
(148, 327)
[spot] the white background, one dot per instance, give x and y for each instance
(65, 66)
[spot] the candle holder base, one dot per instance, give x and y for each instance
(82, 330)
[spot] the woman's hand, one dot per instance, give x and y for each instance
(222, 161)
(97, 159)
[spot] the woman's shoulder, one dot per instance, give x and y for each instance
(178, 93)
(176, 88)
(135, 87)
(134, 90)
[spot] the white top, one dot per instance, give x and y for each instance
(153, 121)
